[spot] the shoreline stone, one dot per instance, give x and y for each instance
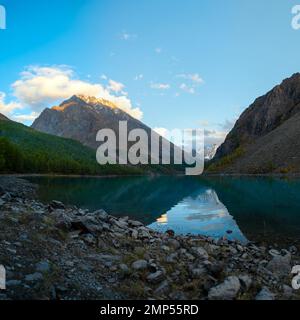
(55, 251)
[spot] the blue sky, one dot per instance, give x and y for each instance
(184, 64)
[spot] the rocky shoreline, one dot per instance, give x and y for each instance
(53, 252)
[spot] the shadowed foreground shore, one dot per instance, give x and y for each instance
(51, 251)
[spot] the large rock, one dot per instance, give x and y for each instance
(107, 260)
(37, 276)
(140, 265)
(156, 277)
(43, 266)
(2, 191)
(173, 243)
(163, 288)
(87, 224)
(280, 265)
(228, 290)
(57, 205)
(246, 281)
(101, 214)
(200, 253)
(265, 294)
(121, 224)
(62, 220)
(198, 273)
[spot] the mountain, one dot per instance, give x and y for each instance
(2, 117)
(25, 150)
(266, 137)
(210, 151)
(81, 117)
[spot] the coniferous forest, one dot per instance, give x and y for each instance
(24, 150)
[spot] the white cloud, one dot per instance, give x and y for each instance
(215, 136)
(184, 87)
(211, 137)
(160, 86)
(127, 36)
(193, 81)
(138, 77)
(218, 136)
(161, 131)
(25, 117)
(39, 87)
(174, 59)
(228, 124)
(158, 50)
(204, 123)
(115, 86)
(194, 77)
(8, 108)
(103, 77)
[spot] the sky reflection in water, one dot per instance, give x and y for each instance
(249, 207)
(202, 214)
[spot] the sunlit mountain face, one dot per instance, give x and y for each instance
(202, 214)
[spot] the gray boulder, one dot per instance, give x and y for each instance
(156, 277)
(43, 267)
(265, 294)
(37, 276)
(140, 265)
(57, 205)
(228, 290)
(280, 265)
(200, 253)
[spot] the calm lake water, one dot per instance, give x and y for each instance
(238, 208)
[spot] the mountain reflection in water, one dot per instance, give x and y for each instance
(200, 214)
(234, 207)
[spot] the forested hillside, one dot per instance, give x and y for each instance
(24, 150)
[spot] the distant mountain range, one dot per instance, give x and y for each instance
(81, 117)
(266, 137)
(63, 140)
(210, 151)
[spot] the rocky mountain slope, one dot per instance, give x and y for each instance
(266, 138)
(81, 117)
(2, 117)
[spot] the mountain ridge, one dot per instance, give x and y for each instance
(81, 117)
(260, 141)
(3, 117)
